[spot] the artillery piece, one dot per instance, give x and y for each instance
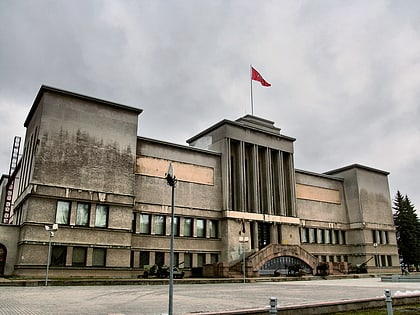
(161, 272)
(360, 268)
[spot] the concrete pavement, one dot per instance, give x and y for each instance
(188, 298)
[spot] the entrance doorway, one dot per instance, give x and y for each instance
(263, 234)
(3, 254)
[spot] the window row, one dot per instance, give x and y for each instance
(181, 260)
(79, 256)
(183, 226)
(380, 237)
(322, 236)
(82, 214)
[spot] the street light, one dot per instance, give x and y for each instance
(171, 180)
(375, 245)
(50, 229)
(243, 240)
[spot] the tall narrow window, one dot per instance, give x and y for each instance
(79, 256)
(160, 225)
(188, 222)
(160, 258)
(213, 229)
(201, 228)
(82, 214)
(187, 260)
(144, 258)
(101, 217)
(201, 260)
(99, 257)
(176, 226)
(62, 215)
(144, 223)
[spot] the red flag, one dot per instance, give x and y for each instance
(257, 77)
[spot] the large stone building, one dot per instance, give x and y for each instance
(238, 198)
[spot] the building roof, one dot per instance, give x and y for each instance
(45, 88)
(249, 122)
(345, 168)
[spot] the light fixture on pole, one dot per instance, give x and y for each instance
(171, 180)
(377, 263)
(50, 229)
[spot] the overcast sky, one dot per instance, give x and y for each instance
(345, 75)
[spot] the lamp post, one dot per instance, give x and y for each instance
(243, 240)
(50, 229)
(375, 245)
(171, 180)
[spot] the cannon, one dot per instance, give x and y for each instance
(161, 272)
(323, 269)
(360, 268)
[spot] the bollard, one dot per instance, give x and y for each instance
(273, 306)
(388, 300)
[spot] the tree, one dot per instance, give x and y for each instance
(407, 230)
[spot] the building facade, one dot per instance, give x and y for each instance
(239, 201)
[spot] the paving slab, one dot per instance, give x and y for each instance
(188, 298)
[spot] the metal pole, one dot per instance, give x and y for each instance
(273, 306)
(171, 179)
(49, 258)
(243, 254)
(171, 262)
(388, 300)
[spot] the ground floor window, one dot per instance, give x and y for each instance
(99, 257)
(79, 256)
(58, 256)
(159, 258)
(144, 259)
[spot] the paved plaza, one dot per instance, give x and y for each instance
(188, 298)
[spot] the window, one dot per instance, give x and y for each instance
(99, 257)
(144, 224)
(201, 260)
(320, 236)
(62, 215)
(160, 225)
(58, 256)
(305, 235)
(79, 256)
(176, 259)
(188, 227)
(374, 238)
(213, 229)
(133, 222)
(343, 237)
(389, 259)
(328, 236)
(312, 235)
(176, 226)
(187, 260)
(214, 258)
(144, 259)
(160, 258)
(82, 214)
(336, 237)
(101, 216)
(201, 228)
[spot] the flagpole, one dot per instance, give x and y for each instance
(252, 97)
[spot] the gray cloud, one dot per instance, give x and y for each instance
(344, 75)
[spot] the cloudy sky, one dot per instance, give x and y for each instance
(345, 75)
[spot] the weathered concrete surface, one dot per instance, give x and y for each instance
(189, 298)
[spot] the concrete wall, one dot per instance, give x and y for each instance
(83, 144)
